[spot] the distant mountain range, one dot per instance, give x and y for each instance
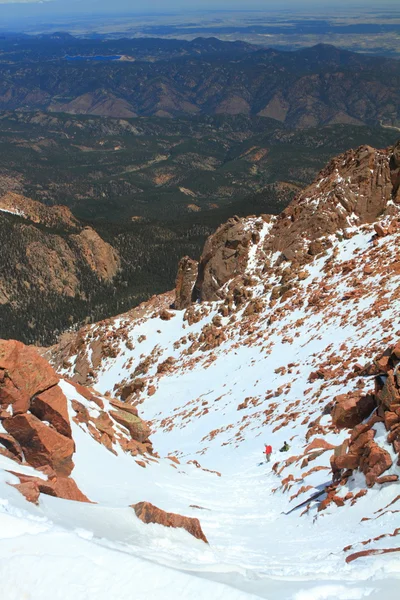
(169, 78)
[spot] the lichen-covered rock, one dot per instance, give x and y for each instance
(136, 427)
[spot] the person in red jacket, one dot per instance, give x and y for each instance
(268, 452)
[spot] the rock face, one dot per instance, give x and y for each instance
(354, 188)
(363, 452)
(56, 257)
(224, 256)
(36, 426)
(185, 280)
(148, 513)
(99, 255)
(357, 187)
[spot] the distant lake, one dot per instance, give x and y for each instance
(98, 58)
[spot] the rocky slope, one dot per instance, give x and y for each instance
(40, 415)
(290, 331)
(46, 253)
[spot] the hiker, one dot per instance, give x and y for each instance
(268, 452)
(285, 447)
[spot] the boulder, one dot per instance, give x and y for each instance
(28, 371)
(10, 395)
(136, 427)
(59, 487)
(352, 408)
(51, 406)
(375, 461)
(12, 446)
(41, 444)
(148, 513)
(185, 280)
(389, 394)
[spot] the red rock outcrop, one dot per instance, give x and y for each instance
(34, 413)
(224, 256)
(362, 450)
(60, 487)
(352, 408)
(28, 372)
(41, 444)
(354, 188)
(148, 513)
(51, 406)
(185, 280)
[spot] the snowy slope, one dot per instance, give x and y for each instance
(218, 405)
(215, 382)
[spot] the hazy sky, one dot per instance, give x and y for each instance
(169, 5)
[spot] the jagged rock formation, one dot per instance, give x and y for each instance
(357, 187)
(35, 417)
(185, 280)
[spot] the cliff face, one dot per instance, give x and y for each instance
(48, 257)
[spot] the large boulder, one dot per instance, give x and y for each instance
(185, 280)
(136, 427)
(60, 487)
(27, 370)
(51, 406)
(148, 513)
(41, 444)
(374, 462)
(352, 408)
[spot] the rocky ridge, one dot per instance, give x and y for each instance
(294, 321)
(49, 260)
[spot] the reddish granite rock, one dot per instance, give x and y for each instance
(51, 406)
(29, 372)
(124, 406)
(319, 443)
(136, 427)
(59, 487)
(185, 280)
(370, 552)
(12, 446)
(41, 444)
(374, 462)
(148, 513)
(352, 408)
(387, 479)
(10, 395)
